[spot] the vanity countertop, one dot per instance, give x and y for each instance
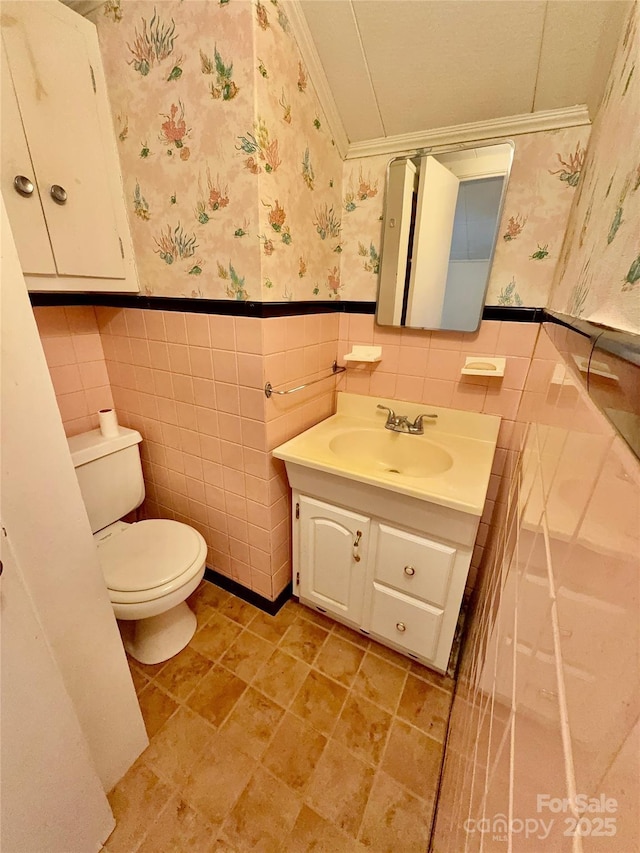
(448, 465)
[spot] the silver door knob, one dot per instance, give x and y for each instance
(23, 185)
(400, 626)
(409, 570)
(58, 194)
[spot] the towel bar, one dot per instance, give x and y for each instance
(269, 389)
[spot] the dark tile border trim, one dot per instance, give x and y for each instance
(625, 345)
(603, 339)
(248, 595)
(582, 327)
(185, 304)
(513, 315)
(262, 310)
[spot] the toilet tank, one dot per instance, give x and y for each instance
(110, 474)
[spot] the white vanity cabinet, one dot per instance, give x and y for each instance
(60, 173)
(399, 582)
(384, 523)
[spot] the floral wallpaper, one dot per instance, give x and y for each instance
(362, 205)
(236, 189)
(545, 173)
(299, 211)
(544, 176)
(232, 176)
(598, 277)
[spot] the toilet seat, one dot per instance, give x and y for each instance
(150, 559)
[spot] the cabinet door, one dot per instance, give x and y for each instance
(333, 557)
(55, 89)
(25, 212)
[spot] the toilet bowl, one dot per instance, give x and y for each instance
(150, 567)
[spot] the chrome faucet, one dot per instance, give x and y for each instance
(401, 423)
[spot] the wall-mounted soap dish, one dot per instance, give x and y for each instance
(362, 353)
(596, 368)
(480, 365)
(562, 376)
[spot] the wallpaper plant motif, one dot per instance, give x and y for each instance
(225, 155)
(598, 277)
(545, 172)
(236, 190)
(300, 196)
(362, 205)
(544, 176)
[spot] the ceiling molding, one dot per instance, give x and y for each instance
(317, 77)
(509, 126)
(83, 7)
(500, 127)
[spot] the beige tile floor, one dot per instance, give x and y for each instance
(289, 733)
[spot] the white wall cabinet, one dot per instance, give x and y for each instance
(60, 173)
(401, 585)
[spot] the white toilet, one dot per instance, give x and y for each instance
(150, 567)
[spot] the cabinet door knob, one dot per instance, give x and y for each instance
(58, 194)
(409, 570)
(23, 185)
(400, 626)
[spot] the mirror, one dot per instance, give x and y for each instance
(442, 212)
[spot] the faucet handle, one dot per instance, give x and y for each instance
(417, 424)
(392, 414)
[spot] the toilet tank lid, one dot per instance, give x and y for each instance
(88, 446)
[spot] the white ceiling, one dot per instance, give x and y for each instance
(398, 67)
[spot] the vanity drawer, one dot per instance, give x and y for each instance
(414, 565)
(409, 623)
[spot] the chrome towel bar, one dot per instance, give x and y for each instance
(269, 389)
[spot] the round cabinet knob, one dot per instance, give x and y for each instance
(23, 186)
(409, 571)
(58, 194)
(400, 626)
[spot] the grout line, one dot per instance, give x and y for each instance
(351, 687)
(349, 691)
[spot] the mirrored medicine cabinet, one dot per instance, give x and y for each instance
(442, 213)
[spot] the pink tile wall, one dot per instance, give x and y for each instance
(193, 385)
(296, 350)
(299, 350)
(550, 678)
(424, 367)
(73, 349)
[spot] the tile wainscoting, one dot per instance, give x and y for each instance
(192, 384)
(75, 356)
(547, 694)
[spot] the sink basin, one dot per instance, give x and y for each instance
(449, 465)
(391, 452)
